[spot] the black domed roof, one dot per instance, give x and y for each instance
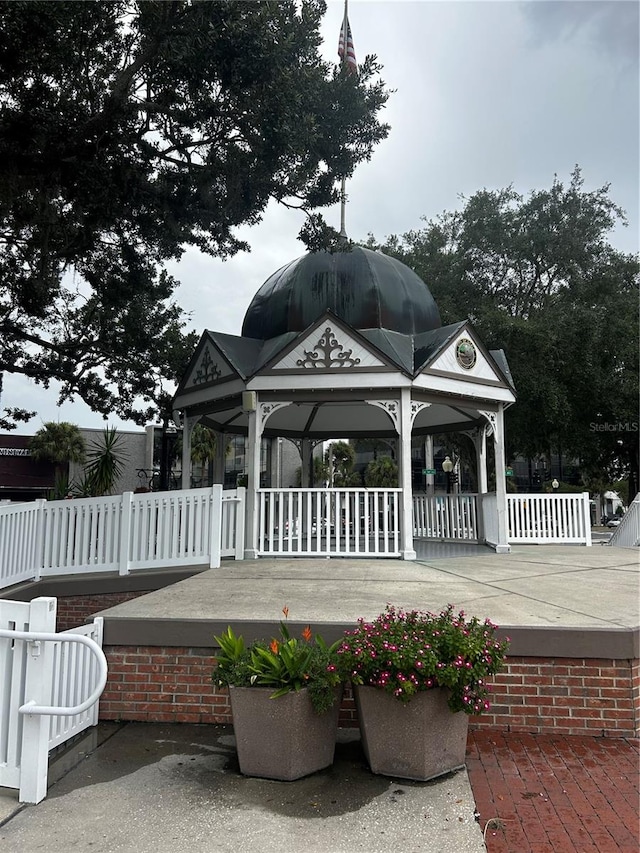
(367, 289)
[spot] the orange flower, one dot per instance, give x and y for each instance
(285, 610)
(274, 646)
(306, 634)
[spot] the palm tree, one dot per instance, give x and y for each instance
(60, 443)
(204, 443)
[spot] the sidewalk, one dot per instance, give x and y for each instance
(153, 788)
(555, 794)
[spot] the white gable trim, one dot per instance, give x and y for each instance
(447, 362)
(328, 347)
(210, 367)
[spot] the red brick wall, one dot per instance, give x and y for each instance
(539, 695)
(574, 696)
(75, 610)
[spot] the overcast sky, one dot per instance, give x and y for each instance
(488, 93)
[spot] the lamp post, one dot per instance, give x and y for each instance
(554, 485)
(447, 467)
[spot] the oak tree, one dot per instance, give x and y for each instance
(131, 130)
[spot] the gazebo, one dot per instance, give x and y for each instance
(349, 344)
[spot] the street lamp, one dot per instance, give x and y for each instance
(554, 485)
(447, 467)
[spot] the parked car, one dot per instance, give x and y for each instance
(613, 522)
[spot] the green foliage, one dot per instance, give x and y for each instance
(106, 461)
(285, 664)
(381, 473)
(132, 130)
(405, 652)
(340, 457)
(59, 443)
(539, 279)
(61, 488)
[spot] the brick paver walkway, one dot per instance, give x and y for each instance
(555, 793)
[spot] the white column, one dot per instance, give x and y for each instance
(404, 464)
(187, 430)
(252, 457)
(502, 545)
(480, 442)
(428, 463)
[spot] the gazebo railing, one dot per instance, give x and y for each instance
(335, 522)
(446, 517)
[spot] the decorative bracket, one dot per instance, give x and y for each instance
(492, 426)
(297, 442)
(187, 427)
(416, 408)
(391, 407)
(265, 410)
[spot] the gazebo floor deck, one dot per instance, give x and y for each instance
(566, 587)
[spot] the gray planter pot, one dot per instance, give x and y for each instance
(418, 740)
(282, 738)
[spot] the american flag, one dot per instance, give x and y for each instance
(352, 65)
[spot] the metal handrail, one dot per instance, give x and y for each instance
(62, 710)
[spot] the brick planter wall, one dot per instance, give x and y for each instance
(576, 696)
(74, 610)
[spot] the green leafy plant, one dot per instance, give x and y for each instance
(285, 664)
(106, 462)
(405, 652)
(381, 473)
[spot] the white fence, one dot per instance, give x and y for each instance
(446, 517)
(51, 684)
(232, 527)
(544, 519)
(120, 533)
(20, 528)
(627, 534)
(533, 519)
(336, 522)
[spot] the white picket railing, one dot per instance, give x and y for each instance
(329, 522)
(51, 684)
(232, 528)
(627, 534)
(20, 526)
(446, 517)
(544, 519)
(120, 533)
(76, 673)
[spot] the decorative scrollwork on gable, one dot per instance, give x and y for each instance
(208, 370)
(328, 352)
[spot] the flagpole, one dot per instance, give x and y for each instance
(343, 194)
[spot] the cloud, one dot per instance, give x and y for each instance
(609, 25)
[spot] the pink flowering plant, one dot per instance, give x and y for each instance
(405, 652)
